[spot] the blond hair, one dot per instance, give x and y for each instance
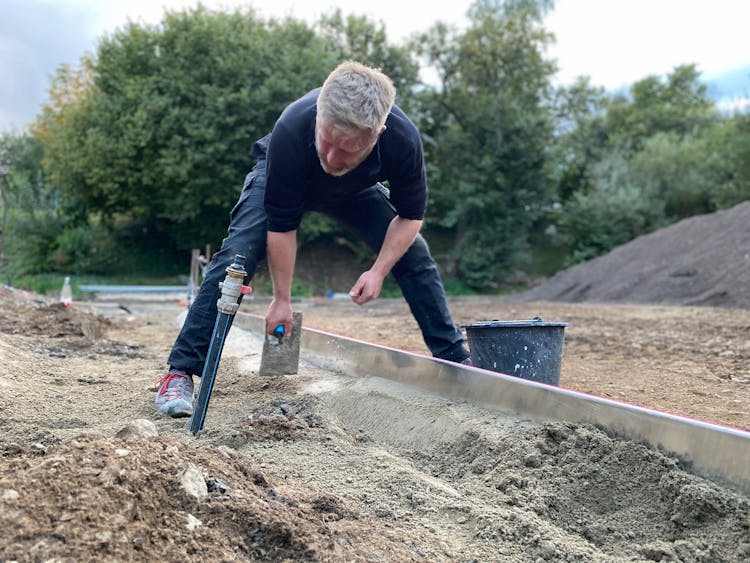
(356, 98)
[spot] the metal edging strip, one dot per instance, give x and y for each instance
(718, 453)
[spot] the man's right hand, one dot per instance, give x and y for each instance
(282, 249)
(279, 313)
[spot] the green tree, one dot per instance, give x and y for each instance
(630, 164)
(615, 210)
(729, 144)
(678, 103)
(580, 135)
(21, 181)
(361, 39)
(680, 171)
(62, 131)
(151, 134)
(162, 132)
(487, 128)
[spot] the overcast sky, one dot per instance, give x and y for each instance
(615, 42)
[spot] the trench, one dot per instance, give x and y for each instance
(489, 483)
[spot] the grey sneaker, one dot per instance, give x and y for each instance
(467, 361)
(175, 394)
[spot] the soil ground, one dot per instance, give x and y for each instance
(321, 467)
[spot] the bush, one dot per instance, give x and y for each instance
(614, 212)
(32, 242)
(47, 243)
(85, 249)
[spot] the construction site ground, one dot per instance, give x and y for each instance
(323, 467)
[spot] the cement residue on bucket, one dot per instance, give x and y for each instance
(530, 349)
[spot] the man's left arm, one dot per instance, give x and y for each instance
(398, 238)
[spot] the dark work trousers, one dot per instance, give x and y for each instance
(368, 215)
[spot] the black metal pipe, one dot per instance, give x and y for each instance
(227, 305)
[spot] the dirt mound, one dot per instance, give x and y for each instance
(703, 260)
(30, 314)
(158, 499)
(49, 327)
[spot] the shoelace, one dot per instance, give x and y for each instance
(170, 391)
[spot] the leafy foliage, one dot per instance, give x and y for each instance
(632, 164)
(156, 128)
(21, 182)
(580, 135)
(488, 129)
(677, 104)
(613, 212)
(728, 147)
(141, 148)
(163, 132)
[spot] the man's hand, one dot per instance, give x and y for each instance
(367, 288)
(282, 249)
(279, 313)
(399, 236)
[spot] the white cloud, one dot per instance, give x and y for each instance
(401, 17)
(738, 105)
(615, 42)
(619, 42)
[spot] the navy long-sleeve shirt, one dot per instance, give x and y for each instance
(294, 175)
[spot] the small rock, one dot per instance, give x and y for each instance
(226, 452)
(140, 427)
(109, 472)
(193, 483)
(215, 485)
(12, 448)
(91, 328)
(193, 522)
(122, 452)
(10, 494)
(548, 550)
(533, 461)
(103, 537)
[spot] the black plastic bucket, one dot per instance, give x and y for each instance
(530, 349)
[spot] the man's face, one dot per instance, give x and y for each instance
(340, 153)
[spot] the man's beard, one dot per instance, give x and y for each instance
(336, 173)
